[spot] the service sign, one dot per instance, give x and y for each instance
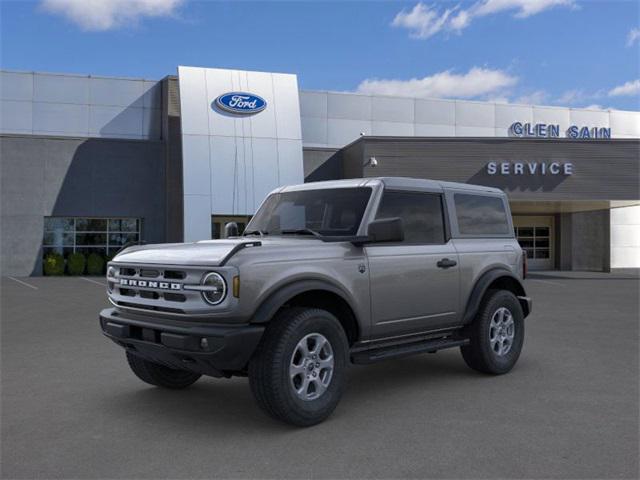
(240, 103)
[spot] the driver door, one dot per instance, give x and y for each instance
(412, 289)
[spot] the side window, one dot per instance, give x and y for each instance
(481, 215)
(421, 215)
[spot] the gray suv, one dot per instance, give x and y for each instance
(326, 274)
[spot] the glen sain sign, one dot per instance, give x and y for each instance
(240, 103)
(546, 130)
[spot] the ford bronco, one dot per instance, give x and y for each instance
(325, 275)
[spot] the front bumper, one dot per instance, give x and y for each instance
(181, 345)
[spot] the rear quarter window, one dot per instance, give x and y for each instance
(481, 215)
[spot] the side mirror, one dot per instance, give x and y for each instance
(231, 230)
(386, 230)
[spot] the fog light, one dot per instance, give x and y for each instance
(204, 343)
(111, 274)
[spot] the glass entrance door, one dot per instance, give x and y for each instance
(535, 236)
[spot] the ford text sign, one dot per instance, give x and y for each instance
(240, 103)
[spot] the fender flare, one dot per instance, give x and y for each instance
(481, 287)
(279, 297)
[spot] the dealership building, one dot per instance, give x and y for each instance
(90, 163)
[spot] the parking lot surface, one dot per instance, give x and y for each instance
(72, 409)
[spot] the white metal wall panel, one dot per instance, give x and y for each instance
(105, 121)
(196, 176)
(248, 155)
(389, 109)
(16, 117)
(80, 106)
(16, 86)
(552, 115)
(462, 131)
(625, 123)
(287, 102)
(341, 132)
(61, 89)
(348, 114)
(116, 92)
(598, 118)
(625, 237)
(61, 118)
(196, 209)
(290, 166)
(435, 112)
(314, 130)
(472, 114)
(194, 110)
(392, 129)
(265, 167)
(349, 106)
(313, 104)
(426, 130)
(506, 115)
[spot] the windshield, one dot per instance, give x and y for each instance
(328, 212)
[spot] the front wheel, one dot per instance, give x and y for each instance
(496, 334)
(297, 374)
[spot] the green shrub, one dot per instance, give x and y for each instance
(76, 263)
(95, 264)
(53, 264)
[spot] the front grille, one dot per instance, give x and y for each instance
(161, 289)
(153, 288)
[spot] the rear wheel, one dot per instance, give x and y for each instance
(297, 374)
(159, 375)
(496, 334)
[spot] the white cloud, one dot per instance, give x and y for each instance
(538, 97)
(475, 83)
(629, 88)
(100, 15)
(423, 21)
(633, 36)
(595, 106)
(571, 97)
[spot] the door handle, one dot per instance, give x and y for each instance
(446, 263)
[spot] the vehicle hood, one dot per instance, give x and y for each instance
(206, 252)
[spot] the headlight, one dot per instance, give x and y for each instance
(216, 288)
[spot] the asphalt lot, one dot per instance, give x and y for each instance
(72, 409)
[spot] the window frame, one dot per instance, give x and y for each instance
(443, 213)
(455, 230)
(75, 247)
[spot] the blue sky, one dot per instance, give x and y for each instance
(559, 52)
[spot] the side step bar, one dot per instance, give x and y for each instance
(404, 350)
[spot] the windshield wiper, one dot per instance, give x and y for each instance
(255, 232)
(302, 231)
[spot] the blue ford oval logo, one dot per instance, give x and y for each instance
(241, 103)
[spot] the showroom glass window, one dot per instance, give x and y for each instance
(481, 215)
(104, 236)
(421, 214)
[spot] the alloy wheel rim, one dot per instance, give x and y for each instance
(311, 367)
(502, 329)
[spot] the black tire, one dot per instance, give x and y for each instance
(159, 375)
(269, 376)
(479, 354)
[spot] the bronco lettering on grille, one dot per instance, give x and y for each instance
(150, 284)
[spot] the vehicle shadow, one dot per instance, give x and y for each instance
(230, 406)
